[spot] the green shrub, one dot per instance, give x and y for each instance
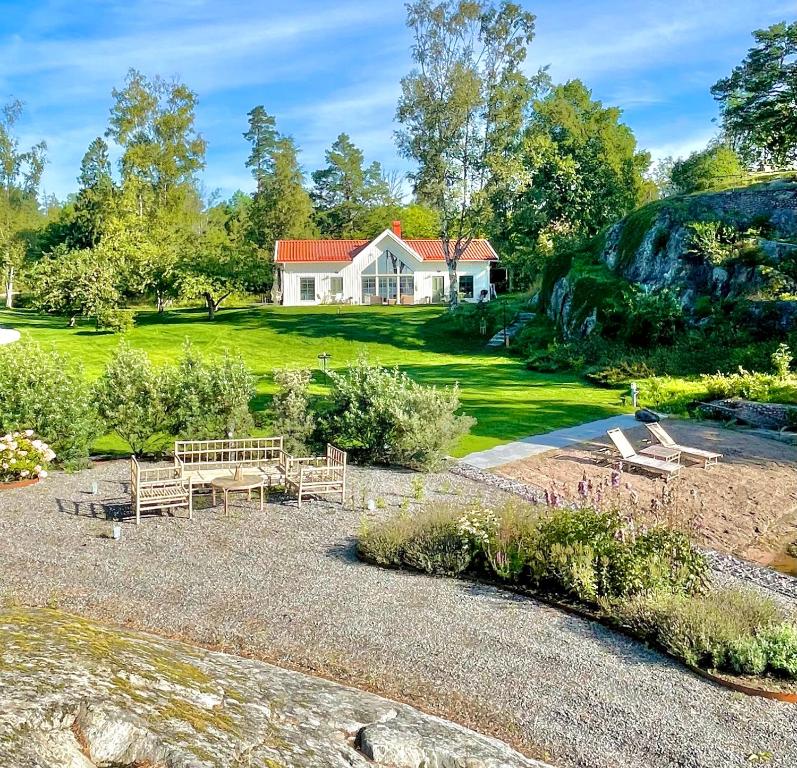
(724, 629)
(40, 389)
(129, 399)
(207, 400)
(746, 656)
(383, 543)
(293, 417)
(747, 384)
(779, 642)
(381, 415)
(781, 361)
(438, 547)
(115, 320)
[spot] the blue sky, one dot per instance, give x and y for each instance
(327, 67)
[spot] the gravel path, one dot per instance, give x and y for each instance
(285, 584)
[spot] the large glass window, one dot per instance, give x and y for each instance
(466, 286)
(387, 287)
(386, 275)
(306, 289)
(335, 285)
(369, 286)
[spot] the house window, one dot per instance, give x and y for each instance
(335, 285)
(387, 287)
(407, 285)
(466, 286)
(306, 289)
(369, 287)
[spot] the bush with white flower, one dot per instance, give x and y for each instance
(23, 457)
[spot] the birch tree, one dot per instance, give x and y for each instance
(461, 111)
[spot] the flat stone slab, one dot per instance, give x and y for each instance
(8, 335)
(77, 694)
(536, 444)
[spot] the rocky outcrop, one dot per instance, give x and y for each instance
(74, 694)
(651, 248)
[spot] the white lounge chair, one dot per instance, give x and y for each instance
(632, 458)
(707, 457)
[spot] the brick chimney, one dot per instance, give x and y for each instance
(396, 228)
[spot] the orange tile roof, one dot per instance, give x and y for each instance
(346, 250)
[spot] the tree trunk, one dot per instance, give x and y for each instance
(10, 287)
(211, 305)
(453, 288)
(161, 301)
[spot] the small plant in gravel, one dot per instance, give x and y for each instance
(23, 457)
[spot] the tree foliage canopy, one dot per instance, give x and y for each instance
(758, 100)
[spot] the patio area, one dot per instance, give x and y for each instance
(285, 585)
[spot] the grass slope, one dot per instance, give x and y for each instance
(508, 401)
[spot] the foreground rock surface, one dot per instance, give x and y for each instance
(75, 694)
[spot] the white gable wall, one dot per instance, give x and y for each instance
(352, 272)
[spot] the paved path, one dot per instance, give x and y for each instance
(7, 335)
(531, 446)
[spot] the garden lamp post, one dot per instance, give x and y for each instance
(324, 357)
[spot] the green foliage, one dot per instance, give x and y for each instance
(781, 361)
(208, 400)
(345, 191)
(461, 111)
(707, 169)
(292, 416)
(42, 390)
(747, 384)
(757, 99)
(129, 398)
(383, 416)
(23, 457)
(580, 553)
(712, 240)
(728, 629)
(582, 171)
(78, 284)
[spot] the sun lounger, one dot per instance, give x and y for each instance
(707, 457)
(632, 458)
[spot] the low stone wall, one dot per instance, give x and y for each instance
(767, 415)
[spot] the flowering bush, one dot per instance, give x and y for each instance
(23, 457)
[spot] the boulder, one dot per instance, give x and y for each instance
(647, 416)
(76, 694)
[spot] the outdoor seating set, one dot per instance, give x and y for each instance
(235, 466)
(663, 457)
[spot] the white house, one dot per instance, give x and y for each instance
(388, 269)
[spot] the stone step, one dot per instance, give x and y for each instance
(511, 330)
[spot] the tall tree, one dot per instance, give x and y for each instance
(582, 171)
(263, 137)
(346, 189)
(95, 200)
(461, 109)
(20, 176)
(758, 101)
(153, 121)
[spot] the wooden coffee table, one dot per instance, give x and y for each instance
(662, 452)
(229, 484)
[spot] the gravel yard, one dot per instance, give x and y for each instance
(285, 585)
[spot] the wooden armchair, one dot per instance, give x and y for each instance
(158, 488)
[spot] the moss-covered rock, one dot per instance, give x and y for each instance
(75, 694)
(655, 248)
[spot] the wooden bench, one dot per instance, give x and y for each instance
(157, 488)
(310, 476)
(199, 462)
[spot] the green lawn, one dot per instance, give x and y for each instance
(507, 400)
